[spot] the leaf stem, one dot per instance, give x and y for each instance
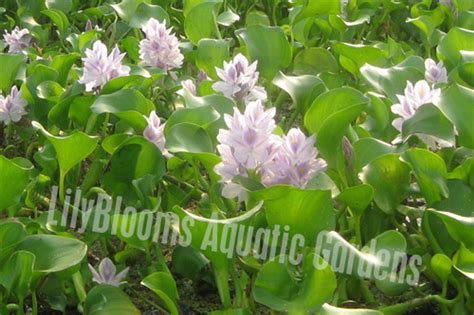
(34, 302)
(222, 276)
(79, 286)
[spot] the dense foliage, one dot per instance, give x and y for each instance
(289, 118)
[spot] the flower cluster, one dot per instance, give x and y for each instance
(295, 162)
(18, 40)
(154, 133)
(435, 72)
(108, 273)
(160, 48)
(239, 80)
(250, 149)
(100, 67)
(12, 107)
(415, 95)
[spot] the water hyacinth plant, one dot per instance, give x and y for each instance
(236, 157)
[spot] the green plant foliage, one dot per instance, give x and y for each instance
(236, 157)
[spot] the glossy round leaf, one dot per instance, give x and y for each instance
(390, 178)
(187, 137)
(268, 45)
(300, 206)
(13, 182)
(54, 253)
(164, 286)
(106, 299)
(329, 103)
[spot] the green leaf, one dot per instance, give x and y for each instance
(441, 265)
(53, 253)
(70, 150)
(188, 262)
(277, 286)
(332, 310)
(368, 149)
(464, 262)
(49, 90)
(138, 11)
(144, 12)
(106, 299)
(200, 22)
(459, 227)
(314, 60)
(59, 19)
(164, 286)
(302, 89)
(62, 64)
(227, 18)
(187, 137)
(390, 178)
(314, 8)
(353, 57)
(128, 105)
(301, 206)
(329, 103)
(210, 54)
(392, 81)
(17, 274)
(357, 197)
(13, 182)
(430, 172)
(40, 73)
(211, 230)
(268, 45)
(460, 202)
(202, 116)
(333, 129)
(429, 120)
(11, 234)
(10, 65)
(367, 262)
(450, 46)
(456, 103)
(62, 5)
(133, 159)
(256, 18)
(139, 80)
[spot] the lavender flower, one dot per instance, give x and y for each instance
(239, 80)
(246, 146)
(160, 48)
(108, 273)
(416, 96)
(154, 133)
(421, 93)
(448, 3)
(202, 76)
(12, 107)
(189, 86)
(18, 40)
(435, 72)
(295, 162)
(100, 68)
(404, 109)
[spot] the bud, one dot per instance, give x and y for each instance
(348, 153)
